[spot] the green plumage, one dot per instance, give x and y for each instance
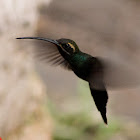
(81, 63)
(65, 52)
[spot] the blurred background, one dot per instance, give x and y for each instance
(41, 102)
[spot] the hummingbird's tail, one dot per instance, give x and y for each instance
(100, 98)
(103, 114)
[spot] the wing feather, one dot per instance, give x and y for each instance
(48, 53)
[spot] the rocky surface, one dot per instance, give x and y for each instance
(21, 90)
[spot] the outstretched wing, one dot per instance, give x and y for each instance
(120, 70)
(100, 98)
(47, 52)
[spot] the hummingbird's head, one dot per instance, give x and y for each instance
(68, 46)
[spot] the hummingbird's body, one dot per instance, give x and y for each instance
(80, 64)
(66, 53)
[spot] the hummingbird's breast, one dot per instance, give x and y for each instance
(81, 65)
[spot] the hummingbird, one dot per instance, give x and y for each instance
(66, 53)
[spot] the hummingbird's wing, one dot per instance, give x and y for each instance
(47, 52)
(120, 71)
(100, 98)
(97, 87)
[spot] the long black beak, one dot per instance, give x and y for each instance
(41, 38)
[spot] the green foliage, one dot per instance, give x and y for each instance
(74, 127)
(81, 125)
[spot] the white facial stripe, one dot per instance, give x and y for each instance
(72, 46)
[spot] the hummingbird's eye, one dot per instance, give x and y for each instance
(68, 46)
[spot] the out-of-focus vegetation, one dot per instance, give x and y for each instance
(83, 125)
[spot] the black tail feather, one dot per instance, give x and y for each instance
(100, 98)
